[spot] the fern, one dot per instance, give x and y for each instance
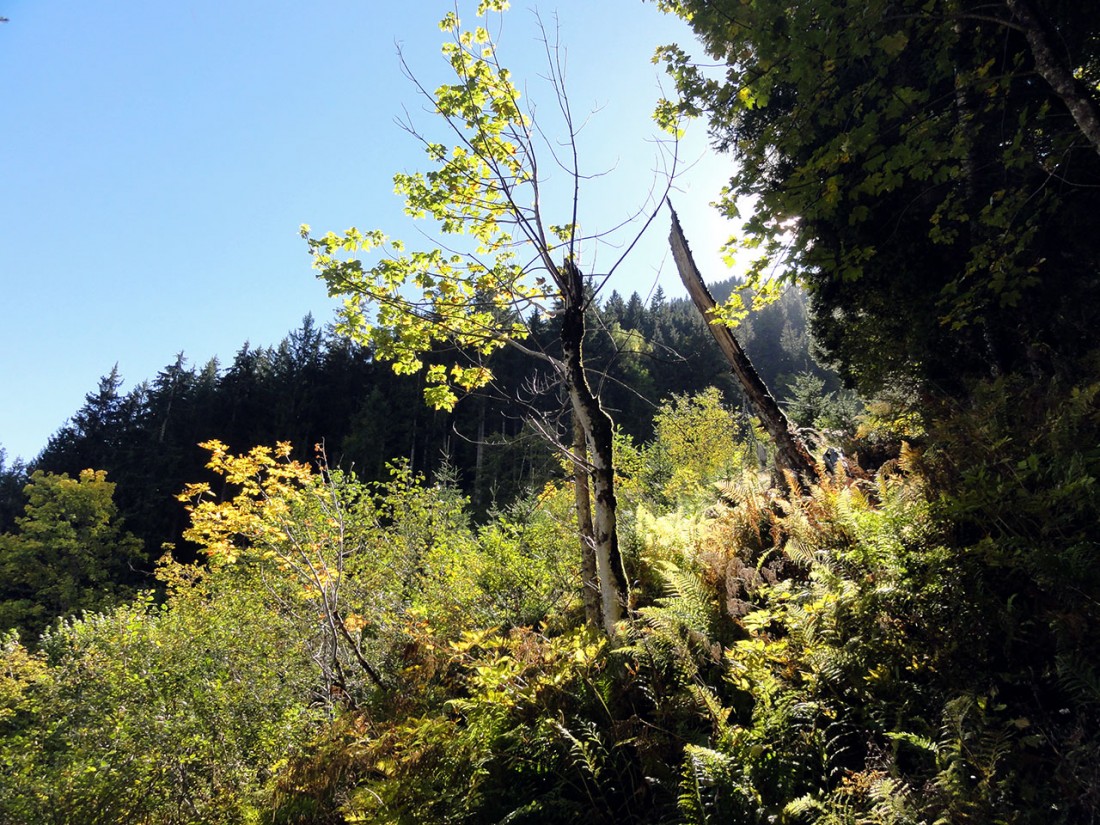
(972, 746)
(804, 807)
(587, 751)
(687, 605)
(713, 789)
(1080, 678)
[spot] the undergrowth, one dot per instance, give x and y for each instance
(912, 647)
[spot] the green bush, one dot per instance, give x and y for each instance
(178, 713)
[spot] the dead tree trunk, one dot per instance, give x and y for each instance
(597, 428)
(791, 453)
(590, 580)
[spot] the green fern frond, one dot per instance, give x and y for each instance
(921, 742)
(803, 808)
(588, 751)
(894, 803)
(688, 605)
(1079, 678)
(713, 788)
(708, 702)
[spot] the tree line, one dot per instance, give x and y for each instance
(316, 387)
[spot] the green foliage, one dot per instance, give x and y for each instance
(917, 647)
(524, 571)
(13, 478)
(894, 650)
(1019, 470)
(521, 737)
(373, 562)
(408, 303)
(262, 395)
(22, 671)
(910, 650)
(895, 159)
(694, 445)
(68, 554)
(810, 405)
(1016, 472)
(179, 713)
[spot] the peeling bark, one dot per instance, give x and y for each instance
(596, 426)
(590, 580)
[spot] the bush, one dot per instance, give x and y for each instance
(162, 714)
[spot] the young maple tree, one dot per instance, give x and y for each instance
(477, 293)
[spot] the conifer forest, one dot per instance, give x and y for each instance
(502, 543)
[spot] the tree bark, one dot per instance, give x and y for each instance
(590, 580)
(479, 455)
(596, 426)
(1060, 79)
(791, 453)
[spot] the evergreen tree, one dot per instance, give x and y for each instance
(13, 478)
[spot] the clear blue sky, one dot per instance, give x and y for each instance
(157, 159)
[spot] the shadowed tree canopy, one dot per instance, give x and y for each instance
(927, 169)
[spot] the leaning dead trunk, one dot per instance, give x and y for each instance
(791, 453)
(596, 426)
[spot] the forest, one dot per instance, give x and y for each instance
(499, 544)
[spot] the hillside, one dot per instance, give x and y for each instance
(503, 546)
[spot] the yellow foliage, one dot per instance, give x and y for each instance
(256, 519)
(20, 670)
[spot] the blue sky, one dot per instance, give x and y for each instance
(156, 161)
